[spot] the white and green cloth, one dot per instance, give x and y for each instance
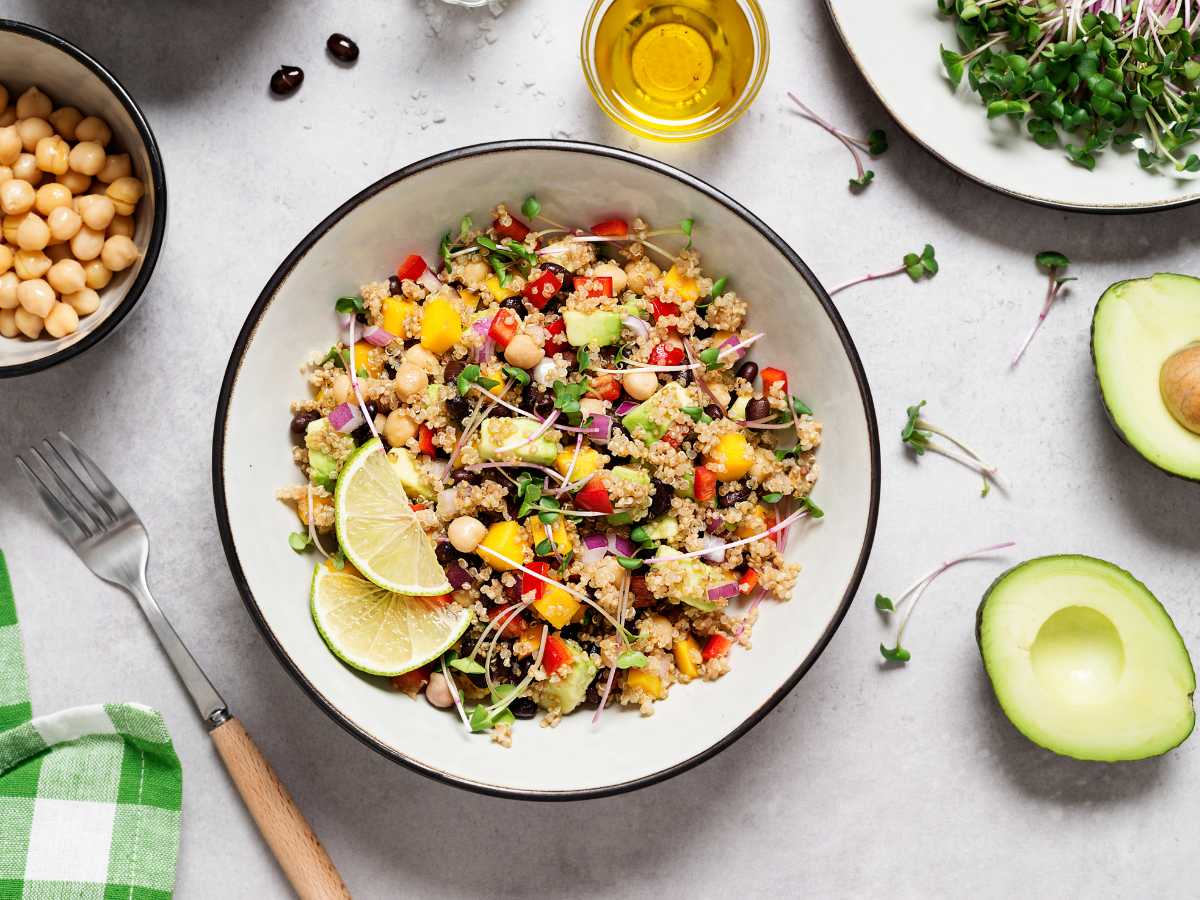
(89, 797)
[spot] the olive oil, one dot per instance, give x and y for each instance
(675, 67)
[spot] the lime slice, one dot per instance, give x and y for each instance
(378, 530)
(380, 632)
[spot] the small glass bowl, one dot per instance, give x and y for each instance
(657, 129)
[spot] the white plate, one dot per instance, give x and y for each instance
(895, 46)
(407, 212)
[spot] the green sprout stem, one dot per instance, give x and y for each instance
(915, 265)
(873, 145)
(1054, 262)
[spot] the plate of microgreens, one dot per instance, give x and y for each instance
(1088, 105)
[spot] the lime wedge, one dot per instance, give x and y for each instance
(378, 530)
(380, 632)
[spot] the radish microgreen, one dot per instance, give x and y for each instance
(531, 207)
(1054, 263)
(874, 144)
(349, 305)
(466, 665)
(915, 265)
(299, 541)
(918, 433)
(632, 659)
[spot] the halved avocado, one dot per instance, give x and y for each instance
(1085, 661)
(1139, 327)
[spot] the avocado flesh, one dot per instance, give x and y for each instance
(1137, 326)
(571, 687)
(601, 327)
(1085, 661)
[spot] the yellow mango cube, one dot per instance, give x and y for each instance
(731, 458)
(686, 288)
(557, 533)
(470, 300)
(650, 683)
(363, 360)
(556, 606)
(587, 463)
(396, 311)
(499, 294)
(441, 326)
(503, 539)
(687, 654)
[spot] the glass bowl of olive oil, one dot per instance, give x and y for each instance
(675, 70)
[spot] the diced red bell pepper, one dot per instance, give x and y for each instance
(514, 627)
(611, 228)
(556, 333)
(772, 376)
(716, 645)
(515, 229)
(660, 308)
(556, 655)
(666, 355)
(536, 586)
(748, 581)
(504, 327)
(593, 496)
(411, 269)
(606, 387)
(425, 440)
(542, 289)
(411, 682)
(705, 487)
(595, 285)
(670, 438)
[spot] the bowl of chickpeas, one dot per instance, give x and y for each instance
(82, 200)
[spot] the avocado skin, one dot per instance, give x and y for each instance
(979, 643)
(1108, 414)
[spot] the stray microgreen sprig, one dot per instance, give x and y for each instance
(913, 594)
(915, 265)
(874, 144)
(917, 435)
(1055, 264)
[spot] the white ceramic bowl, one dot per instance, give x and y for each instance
(29, 55)
(407, 212)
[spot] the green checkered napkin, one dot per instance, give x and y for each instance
(89, 797)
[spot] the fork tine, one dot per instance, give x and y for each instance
(69, 526)
(74, 486)
(81, 475)
(113, 498)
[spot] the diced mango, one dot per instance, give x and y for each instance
(753, 524)
(556, 606)
(587, 463)
(719, 338)
(497, 375)
(396, 311)
(686, 288)
(687, 654)
(364, 360)
(650, 683)
(440, 327)
(731, 458)
(499, 294)
(508, 539)
(557, 533)
(319, 503)
(470, 300)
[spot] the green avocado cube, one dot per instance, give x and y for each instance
(600, 328)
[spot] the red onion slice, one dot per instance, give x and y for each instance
(625, 407)
(346, 418)
(429, 281)
(377, 336)
(723, 591)
(638, 326)
(621, 545)
(599, 430)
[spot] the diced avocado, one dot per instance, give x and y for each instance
(323, 469)
(738, 410)
(569, 690)
(664, 528)
(625, 516)
(414, 481)
(650, 419)
(692, 589)
(600, 328)
(500, 432)
(1085, 661)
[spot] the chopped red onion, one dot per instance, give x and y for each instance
(625, 407)
(457, 576)
(714, 549)
(621, 545)
(722, 591)
(346, 418)
(595, 547)
(599, 430)
(429, 281)
(714, 523)
(377, 336)
(739, 349)
(639, 326)
(344, 320)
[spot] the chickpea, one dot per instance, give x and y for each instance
(17, 196)
(437, 692)
(97, 211)
(64, 119)
(84, 302)
(33, 103)
(87, 157)
(116, 165)
(640, 385)
(10, 225)
(410, 381)
(421, 358)
(63, 320)
(465, 533)
(616, 273)
(125, 193)
(29, 264)
(25, 169)
(124, 225)
(119, 253)
(74, 182)
(64, 223)
(8, 323)
(93, 129)
(341, 387)
(53, 155)
(10, 145)
(475, 274)
(36, 296)
(98, 274)
(50, 196)
(31, 131)
(67, 276)
(523, 352)
(399, 428)
(27, 323)
(87, 244)
(641, 272)
(6, 258)
(8, 290)
(34, 233)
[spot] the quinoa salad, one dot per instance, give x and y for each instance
(603, 473)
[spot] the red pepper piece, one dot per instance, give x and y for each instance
(717, 645)
(556, 337)
(504, 327)
(772, 376)
(411, 269)
(705, 488)
(425, 440)
(666, 355)
(542, 289)
(748, 581)
(514, 627)
(611, 228)
(660, 308)
(556, 655)
(593, 496)
(536, 585)
(606, 387)
(411, 682)
(595, 285)
(515, 229)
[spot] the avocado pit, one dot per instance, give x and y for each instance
(1179, 381)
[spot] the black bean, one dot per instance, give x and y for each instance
(301, 420)
(394, 286)
(286, 79)
(458, 407)
(703, 331)
(541, 402)
(361, 435)
(748, 370)
(661, 502)
(452, 370)
(523, 708)
(445, 553)
(733, 496)
(342, 48)
(516, 304)
(713, 411)
(467, 476)
(757, 409)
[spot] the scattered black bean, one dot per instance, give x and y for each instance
(713, 411)
(661, 502)
(342, 48)
(361, 435)
(286, 79)
(523, 708)
(733, 496)
(445, 553)
(301, 420)
(541, 402)
(458, 407)
(516, 304)
(703, 331)
(757, 409)
(748, 370)
(394, 286)
(453, 369)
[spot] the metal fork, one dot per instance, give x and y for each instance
(100, 525)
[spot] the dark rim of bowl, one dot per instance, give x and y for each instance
(251, 325)
(157, 229)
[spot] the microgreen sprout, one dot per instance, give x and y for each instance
(531, 207)
(874, 144)
(918, 434)
(915, 265)
(1054, 263)
(912, 596)
(299, 541)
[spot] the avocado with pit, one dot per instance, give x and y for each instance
(501, 431)
(571, 687)
(414, 480)
(650, 419)
(1146, 351)
(1085, 661)
(600, 327)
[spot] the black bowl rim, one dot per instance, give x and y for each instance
(157, 175)
(251, 326)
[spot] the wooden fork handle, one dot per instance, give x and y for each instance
(299, 853)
